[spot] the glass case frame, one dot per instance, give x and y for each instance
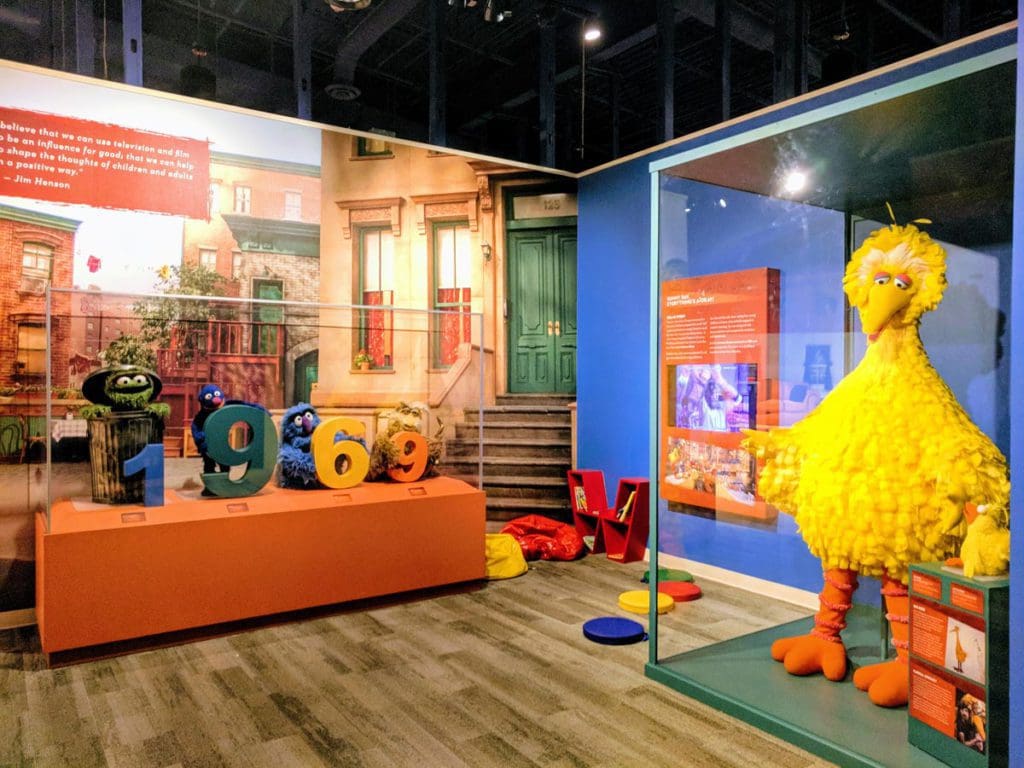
(696, 161)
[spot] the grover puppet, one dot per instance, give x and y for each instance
(211, 397)
(295, 464)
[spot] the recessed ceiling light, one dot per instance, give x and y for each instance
(795, 181)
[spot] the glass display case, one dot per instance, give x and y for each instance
(754, 232)
(292, 454)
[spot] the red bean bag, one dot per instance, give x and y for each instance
(545, 539)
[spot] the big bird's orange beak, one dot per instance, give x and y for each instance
(884, 303)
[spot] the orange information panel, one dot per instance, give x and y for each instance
(719, 359)
(953, 707)
(948, 638)
(969, 599)
(925, 585)
(932, 699)
(959, 667)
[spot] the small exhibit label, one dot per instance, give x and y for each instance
(925, 585)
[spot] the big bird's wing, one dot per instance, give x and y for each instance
(765, 444)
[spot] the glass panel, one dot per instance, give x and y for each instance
(189, 342)
(445, 257)
(756, 331)
(463, 265)
(371, 260)
(31, 355)
(387, 261)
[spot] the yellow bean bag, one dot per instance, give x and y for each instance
(504, 556)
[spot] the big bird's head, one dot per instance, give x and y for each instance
(896, 275)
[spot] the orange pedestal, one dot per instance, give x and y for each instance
(106, 573)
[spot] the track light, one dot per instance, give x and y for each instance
(347, 5)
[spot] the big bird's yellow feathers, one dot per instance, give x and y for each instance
(878, 475)
(882, 473)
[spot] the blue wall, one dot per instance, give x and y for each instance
(1016, 347)
(713, 230)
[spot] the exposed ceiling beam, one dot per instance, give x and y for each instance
(910, 21)
(746, 27)
(375, 23)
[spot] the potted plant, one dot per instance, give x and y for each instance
(7, 393)
(362, 360)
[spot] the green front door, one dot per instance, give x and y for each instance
(306, 375)
(542, 310)
(266, 316)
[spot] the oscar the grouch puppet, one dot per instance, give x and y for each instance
(385, 454)
(120, 389)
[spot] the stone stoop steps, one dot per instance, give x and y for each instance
(527, 450)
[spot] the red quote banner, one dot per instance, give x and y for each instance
(67, 160)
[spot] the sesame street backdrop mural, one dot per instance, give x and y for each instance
(106, 195)
(720, 357)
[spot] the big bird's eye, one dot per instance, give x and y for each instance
(141, 379)
(297, 421)
(882, 278)
(123, 381)
(902, 282)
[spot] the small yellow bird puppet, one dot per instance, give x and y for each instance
(880, 474)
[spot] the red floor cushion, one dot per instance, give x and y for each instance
(545, 539)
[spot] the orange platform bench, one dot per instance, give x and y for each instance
(112, 573)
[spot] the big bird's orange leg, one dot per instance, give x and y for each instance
(887, 683)
(822, 650)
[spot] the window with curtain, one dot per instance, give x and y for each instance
(36, 267)
(452, 291)
(31, 355)
(376, 258)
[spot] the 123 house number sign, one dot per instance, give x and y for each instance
(340, 461)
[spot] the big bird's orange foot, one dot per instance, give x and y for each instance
(887, 683)
(809, 654)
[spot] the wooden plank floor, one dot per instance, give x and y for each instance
(497, 676)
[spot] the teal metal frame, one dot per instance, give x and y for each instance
(1002, 48)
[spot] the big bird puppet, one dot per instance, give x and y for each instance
(888, 469)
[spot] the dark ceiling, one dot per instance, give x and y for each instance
(492, 68)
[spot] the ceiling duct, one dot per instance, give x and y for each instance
(369, 30)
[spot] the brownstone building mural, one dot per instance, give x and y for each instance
(263, 238)
(36, 251)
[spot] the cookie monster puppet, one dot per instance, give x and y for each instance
(295, 465)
